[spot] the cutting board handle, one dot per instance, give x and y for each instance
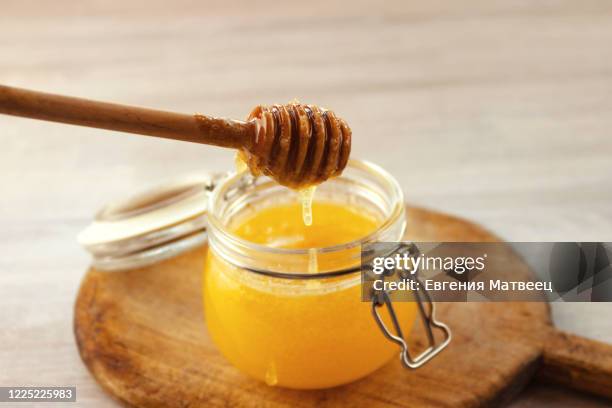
(578, 363)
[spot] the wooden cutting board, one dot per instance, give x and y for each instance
(142, 335)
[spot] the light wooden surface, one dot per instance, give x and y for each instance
(496, 111)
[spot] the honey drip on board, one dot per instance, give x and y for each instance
(306, 196)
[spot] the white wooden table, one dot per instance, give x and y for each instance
(497, 111)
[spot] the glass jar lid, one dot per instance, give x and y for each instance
(150, 226)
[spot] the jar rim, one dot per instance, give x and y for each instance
(219, 227)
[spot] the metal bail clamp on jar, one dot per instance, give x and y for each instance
(427, 312)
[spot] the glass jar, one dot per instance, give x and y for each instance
(275, 318)
(289, 317)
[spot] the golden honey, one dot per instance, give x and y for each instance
(298, 333)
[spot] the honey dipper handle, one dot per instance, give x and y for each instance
(123, 118)
(578, 363)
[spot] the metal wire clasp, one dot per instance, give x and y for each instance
(427, 311)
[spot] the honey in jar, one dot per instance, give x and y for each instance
(282, 299)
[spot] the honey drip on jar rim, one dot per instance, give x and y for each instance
(313, 264)
(306, 196)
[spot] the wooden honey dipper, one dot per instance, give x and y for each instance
(297, 145)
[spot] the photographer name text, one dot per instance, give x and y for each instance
(456, 286)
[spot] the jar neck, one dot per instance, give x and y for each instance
(362, 185)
